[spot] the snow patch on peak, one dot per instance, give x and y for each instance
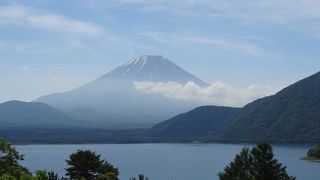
(152, 68)
(144, 59)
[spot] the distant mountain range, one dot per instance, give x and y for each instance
(113, 97)
(290, 116)
(31, 114)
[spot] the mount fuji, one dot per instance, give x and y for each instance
(152, 68)
(113, 99)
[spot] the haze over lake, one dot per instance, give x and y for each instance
(165, 161)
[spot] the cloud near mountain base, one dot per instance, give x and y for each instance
(217, 93)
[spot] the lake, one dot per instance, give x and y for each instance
(165, 161)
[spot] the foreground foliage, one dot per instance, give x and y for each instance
(83, 164)
(9, 161)
(88, 165)
(140, 177)
(255, 164)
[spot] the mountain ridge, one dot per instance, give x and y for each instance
(292, 114)
(200, 122)
(19, 114)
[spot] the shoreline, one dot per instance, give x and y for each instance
(312, 159)
(199, 143)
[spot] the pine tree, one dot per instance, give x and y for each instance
(141, 177)
(240, 168)
(88, 165)
(257, 164)
(52, 176)
(265, 166)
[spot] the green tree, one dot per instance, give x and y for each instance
(141, 177)
(9, 161)
(108, 176)
(27, 177)
(88, 165)
(265, 166)
(45, 175)
(52, 176)
(240, 168)
(41, 175)
(314, 152)
(257, 164)
(107, 168)
(7, 177)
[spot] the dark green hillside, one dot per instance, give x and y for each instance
(200, 122)
(18, 113)
(292, 115)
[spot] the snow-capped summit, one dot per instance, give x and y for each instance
(152, 68)
(144, 59)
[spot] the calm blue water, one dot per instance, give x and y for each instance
(165, 161)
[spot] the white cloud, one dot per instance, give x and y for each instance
(217, 93)
(216, 42)
(54, 77)
(32, 47)
(158, 37)
(272, 9)
(226, 44)
(296, 14)
(21, 15)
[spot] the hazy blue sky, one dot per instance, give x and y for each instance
(55, 45)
